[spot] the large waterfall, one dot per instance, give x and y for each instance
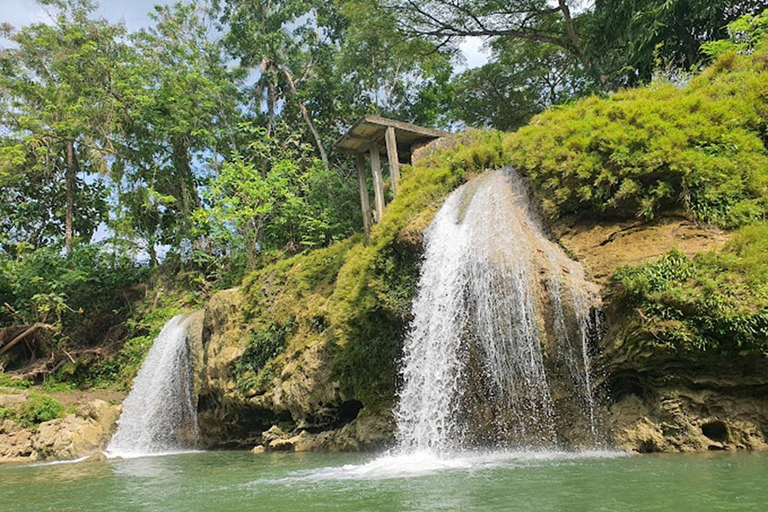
(159, 414)
(499, 350)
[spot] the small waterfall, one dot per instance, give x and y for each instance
(159, 414)
(498, 352)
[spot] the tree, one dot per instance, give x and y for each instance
(626, 39)
(277, 39)
(522, 79)
(183, 116)
(529, 20)
(296, 205)
(57, 107)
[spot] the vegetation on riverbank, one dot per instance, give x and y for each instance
(273, 212)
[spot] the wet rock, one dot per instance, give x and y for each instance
(258, 449)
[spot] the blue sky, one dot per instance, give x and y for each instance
(134, 14)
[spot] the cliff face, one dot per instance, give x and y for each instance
(304, 355)
(653, 398)
(656, 397)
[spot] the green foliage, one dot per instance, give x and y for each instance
(10, 381)
(39, 409)
(279, 197)
(715, 301)
(354, 297)
(522, 79)
(743, 35)
(625, 40)
(701, 148)
(264, 345)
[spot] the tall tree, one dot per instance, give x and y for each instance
(276, 39)
(184, 115)
(539, 21)
(522, 79)
(57, 106)
(628, 38)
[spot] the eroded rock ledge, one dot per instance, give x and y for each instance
(84, 433)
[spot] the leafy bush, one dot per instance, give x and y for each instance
(10, 381)
(714, 301)
(39, 409)
(700, 148)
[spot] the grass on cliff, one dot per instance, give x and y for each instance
(700, 147)
(354, 298)
(715, 301)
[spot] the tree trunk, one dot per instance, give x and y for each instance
(570, 31)
(152, 253)
(69, 178)
(307, 119)
(190, 199)
(271, 107)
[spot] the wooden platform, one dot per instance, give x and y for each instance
(375, 136)
(371, 130)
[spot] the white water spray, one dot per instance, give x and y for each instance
(159, 414)
(489, 312)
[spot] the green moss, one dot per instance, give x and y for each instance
(11, 381)
(716, 301)
(642, 151)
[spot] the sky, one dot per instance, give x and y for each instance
(134, 14)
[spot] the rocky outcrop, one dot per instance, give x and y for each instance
(660, 401)
(83, 433)
(302, 396)
(655, 399)
(361, 434)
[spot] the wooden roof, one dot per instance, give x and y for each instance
(370, 129)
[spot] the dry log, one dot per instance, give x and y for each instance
(29, 330)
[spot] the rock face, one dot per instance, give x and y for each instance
(672, 404)
(303, 396)
(652, 400)
(361, 434)
(82, 434)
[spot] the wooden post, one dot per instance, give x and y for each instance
(378, 183)
(394, 164)
(364, 200)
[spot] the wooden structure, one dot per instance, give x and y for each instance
(379, 136)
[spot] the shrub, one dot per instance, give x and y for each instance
(700, 148)
(39, 409)
(714, 301)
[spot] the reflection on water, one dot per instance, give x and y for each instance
(543, 481)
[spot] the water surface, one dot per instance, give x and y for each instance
(223, 481)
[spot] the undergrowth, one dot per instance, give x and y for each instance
(700, 147)
(715, 301)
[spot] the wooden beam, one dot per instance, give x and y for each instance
(364, 199)
(394, 164)
(378, 183)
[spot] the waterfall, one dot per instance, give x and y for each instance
(499, 348)
(159, 414)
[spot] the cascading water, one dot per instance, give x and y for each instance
(159, 414)
(499, 346)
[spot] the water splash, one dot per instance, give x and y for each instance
(490, 318)
(159, 414)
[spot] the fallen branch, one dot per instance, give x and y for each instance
(30, 330)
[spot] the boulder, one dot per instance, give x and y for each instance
(84, 433)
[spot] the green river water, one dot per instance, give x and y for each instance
(236, 481)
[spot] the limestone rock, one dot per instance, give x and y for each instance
(84, 433)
